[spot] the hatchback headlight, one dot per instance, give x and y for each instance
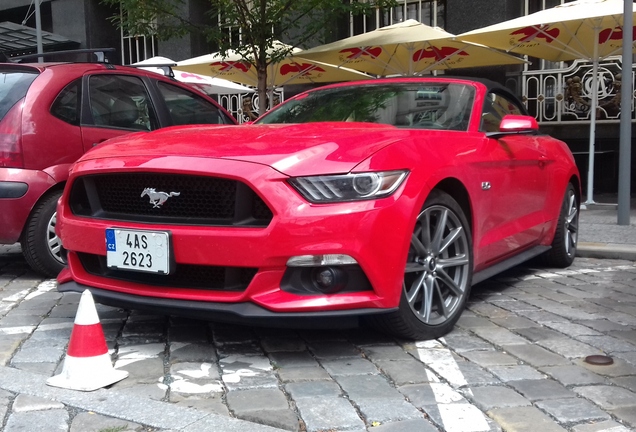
(349, 187)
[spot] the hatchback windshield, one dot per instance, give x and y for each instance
(422, 106)
(13, 87)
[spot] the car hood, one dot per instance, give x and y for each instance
(292, 149)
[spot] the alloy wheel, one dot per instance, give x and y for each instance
(437, 271)
(53, 241)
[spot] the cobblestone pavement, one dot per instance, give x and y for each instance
(515, 362)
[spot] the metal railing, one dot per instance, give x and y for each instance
(563, 96)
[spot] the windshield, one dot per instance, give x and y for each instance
(410, 105)
(13, 87)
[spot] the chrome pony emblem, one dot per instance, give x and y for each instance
(158, 198)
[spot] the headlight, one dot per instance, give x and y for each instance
(348, 187)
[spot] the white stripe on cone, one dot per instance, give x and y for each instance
(87, 365)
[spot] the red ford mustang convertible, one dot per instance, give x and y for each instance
(380, 201)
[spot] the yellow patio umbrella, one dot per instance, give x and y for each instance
(407, 48)
(585, 29)
(290, 70)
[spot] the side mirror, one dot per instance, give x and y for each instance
(518, 123)
(515, 125)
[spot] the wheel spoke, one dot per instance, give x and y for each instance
(441, 305)
(419, 247)
(450, 283)
(573, 214)
(426, 230)
(436, 242)
(572, 202)
(456, 261)
(454, 235)
(427, 300)
(416, 286)
(413, 267)
(570, 241)
(55, 249)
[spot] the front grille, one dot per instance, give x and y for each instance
(174, 198)
(213, 278)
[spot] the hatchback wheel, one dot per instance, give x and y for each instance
(42, 248)
(438, 272)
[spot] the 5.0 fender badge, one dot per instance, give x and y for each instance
(158, 198)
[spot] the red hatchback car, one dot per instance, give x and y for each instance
(51, 113)
(380, 201)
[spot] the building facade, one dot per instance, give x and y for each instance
(557, 94)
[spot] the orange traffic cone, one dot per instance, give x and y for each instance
(87, 365)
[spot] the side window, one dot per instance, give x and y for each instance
(495, 108)
(121, 101)
(66, 106)
(188, 108)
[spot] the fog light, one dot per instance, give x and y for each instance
(329, 280)
(320, 260)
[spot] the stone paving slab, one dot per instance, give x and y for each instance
(113, 404)
(515, 362)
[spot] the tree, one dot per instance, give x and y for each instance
(258, 22)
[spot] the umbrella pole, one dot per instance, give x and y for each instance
(625, 144)
(590, 167)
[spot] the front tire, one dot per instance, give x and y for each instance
(438, 272)
(41, 247)
(566, 237)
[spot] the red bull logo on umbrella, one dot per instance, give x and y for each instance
(302, 70)
(530, 35)
(437, 54)
(613, 37)
(228, 66)
(355, 55)
(185, 75)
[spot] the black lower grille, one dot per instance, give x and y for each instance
(169, 198)
(201, 277)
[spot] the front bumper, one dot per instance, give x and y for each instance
(243, 313)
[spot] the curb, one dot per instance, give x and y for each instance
(606, 251)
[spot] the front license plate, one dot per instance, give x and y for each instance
(147, 251)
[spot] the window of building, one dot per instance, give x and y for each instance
(429, 12)
(533, 6)
(138, 48)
